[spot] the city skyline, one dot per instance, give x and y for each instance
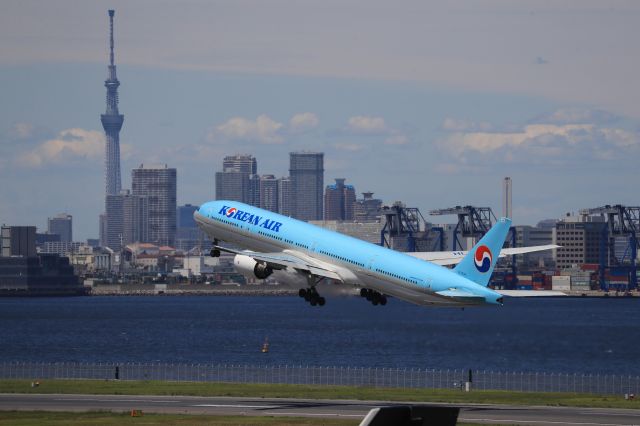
(557, 114)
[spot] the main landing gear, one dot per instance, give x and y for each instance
(311, 295)
(373, 296)
(214, 251)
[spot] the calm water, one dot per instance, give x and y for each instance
(567, 335)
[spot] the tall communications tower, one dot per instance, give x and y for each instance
(112, 123)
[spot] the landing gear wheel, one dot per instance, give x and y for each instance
(313, 302)
(383, 300)
(214, 253)
(302, 292)
(321, 301)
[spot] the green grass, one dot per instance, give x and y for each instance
(317, 392)
(48, 418)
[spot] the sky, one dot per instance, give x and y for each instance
(429, 103)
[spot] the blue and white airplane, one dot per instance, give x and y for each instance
(303, 255)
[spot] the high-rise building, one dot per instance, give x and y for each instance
(269, 193)
(62, 225)
(188, 235)
(184, 216)
(284, 196)
(306, 170)
(579, 240)
(129, 221)
(159, 185)
(338, 201)
(507, 207)
(367, 208)
(238, 180)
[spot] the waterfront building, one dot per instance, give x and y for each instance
(534, 236)
(61, 225)
(367, 208)
(18, 241)
(306, 170)
(339, 200)
(579, 238)
(159, 185)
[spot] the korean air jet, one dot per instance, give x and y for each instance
(302, 254)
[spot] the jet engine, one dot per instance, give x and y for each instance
(250, 268)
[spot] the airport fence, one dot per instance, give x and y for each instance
(329, 376)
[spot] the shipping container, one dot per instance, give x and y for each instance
(561, 282)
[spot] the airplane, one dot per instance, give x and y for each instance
(303, 255)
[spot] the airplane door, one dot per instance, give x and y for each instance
(372, 262)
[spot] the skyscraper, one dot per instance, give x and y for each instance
(367, 209)
(338, 201)
(306, 170)
(159, 185)
(268, 196)
(62, 225)
(129, 220)
(238, 180)
(284, 196)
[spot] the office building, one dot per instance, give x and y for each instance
(306, 170)
(367, 208)
(238, 180)
(129, 220)
(61, 225)
(159, 185)
(579, 238)
(184, 216)
(284, 196)
(534, 236)
(18, 241)
(268, 194)
(338, 201)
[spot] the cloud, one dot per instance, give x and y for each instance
(303, 122)
(455, 125)
(396, 139)
(69, 144)
(367, 125)
(544, 143)
(576, 115)
(263, 130)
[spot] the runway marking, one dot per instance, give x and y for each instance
(300, 413)
(235, 406)
(536, 422)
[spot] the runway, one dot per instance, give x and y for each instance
(490, 414)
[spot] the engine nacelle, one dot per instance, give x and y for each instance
(250, 268)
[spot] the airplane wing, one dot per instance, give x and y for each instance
(531, 293)
(454, 257)
(282, 260)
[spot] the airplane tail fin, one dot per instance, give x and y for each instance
(478, 264)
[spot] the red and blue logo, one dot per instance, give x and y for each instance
(483, 259)
(230, 212)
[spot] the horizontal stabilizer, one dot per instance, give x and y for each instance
(445, 258)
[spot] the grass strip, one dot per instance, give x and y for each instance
(50, 418)
(112, 387)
